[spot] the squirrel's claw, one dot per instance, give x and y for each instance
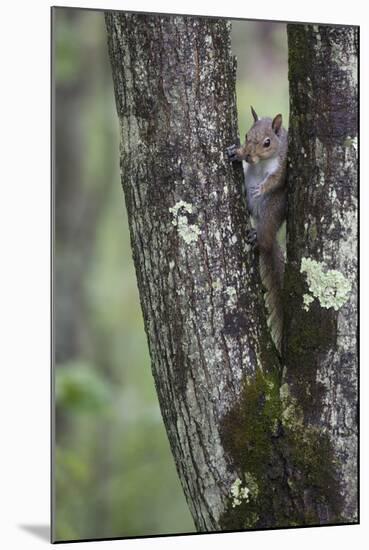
(251, 237)
(258, 192)
(232, 152)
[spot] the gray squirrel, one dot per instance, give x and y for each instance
(264, 159)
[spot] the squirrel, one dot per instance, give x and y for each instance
(264, 159)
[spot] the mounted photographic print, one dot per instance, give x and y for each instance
(205, 284)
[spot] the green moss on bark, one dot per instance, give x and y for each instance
(286, 468)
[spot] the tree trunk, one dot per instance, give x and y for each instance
(198, 281)
(248, 453)
(321, 274)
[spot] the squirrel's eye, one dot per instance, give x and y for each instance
(266, 142)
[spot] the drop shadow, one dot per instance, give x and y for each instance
(40, 531)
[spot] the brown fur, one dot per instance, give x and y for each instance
(265, 151)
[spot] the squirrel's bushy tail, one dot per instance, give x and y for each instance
(272, 272)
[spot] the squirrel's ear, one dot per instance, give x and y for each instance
(254, 114)
(277, 123)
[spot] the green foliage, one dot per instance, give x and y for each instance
(261, 51)
(68, 49)
(80, 387)
(114, 472)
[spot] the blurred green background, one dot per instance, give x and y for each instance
(114, 475)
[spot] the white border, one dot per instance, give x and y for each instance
(24, 271)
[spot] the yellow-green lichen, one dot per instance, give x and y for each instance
(217, 285)
(329, 286)
(351, 142)
(251, 484)
(291, 414)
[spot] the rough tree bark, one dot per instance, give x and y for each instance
(321, 275)
(174, 82)
(245, 454)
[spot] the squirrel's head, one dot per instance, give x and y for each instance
(262, 141)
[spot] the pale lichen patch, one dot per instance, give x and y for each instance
(307, 298)
(330, 287)
(188, 232)
(231, 293)
(187, 207)
(239, 493)
(217, 284)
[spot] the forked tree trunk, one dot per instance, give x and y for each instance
(244, 454)
(321, 276)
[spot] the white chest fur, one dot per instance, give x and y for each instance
(255, 175)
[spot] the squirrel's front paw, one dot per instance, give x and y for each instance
(232, 152)
(256, 193)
